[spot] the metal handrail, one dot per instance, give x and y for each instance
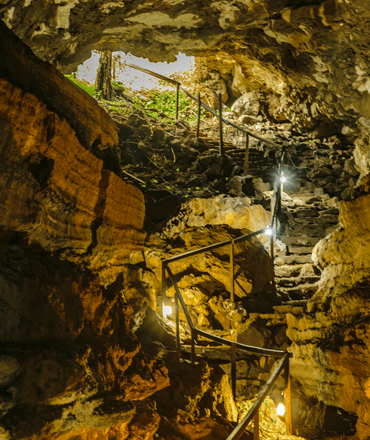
(195, 332)
(204, 105)
(284, 362)
(215, 246)
(243, 347)
(232, 124)
(182, 302)
(240, 428)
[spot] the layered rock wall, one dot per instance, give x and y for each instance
(330, 343)
(70, 364)
(54, 190)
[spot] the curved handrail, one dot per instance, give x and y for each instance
(243, 347)
(240, 428)
(195, 332)
(284, 362)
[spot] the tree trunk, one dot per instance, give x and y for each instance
(104, 75)
(114, 61)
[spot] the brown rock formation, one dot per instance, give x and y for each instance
(61, 195)
(330, 343)
(69, 359)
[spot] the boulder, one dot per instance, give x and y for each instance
(248, 104)
(276, 108)
(253, 266)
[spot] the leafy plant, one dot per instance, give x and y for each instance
(89, 89)
(118, 85)
(165, 102)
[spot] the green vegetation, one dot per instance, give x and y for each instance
(89, 89)
(162, 103)
(118, 85)
(165, 102)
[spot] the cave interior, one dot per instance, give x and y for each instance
(92, 203)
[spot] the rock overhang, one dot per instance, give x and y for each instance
(312, 54)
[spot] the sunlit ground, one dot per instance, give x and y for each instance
(133, 78)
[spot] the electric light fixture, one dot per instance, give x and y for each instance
(280, 409)
(167, 310)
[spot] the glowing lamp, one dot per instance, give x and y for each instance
(268, 231)
(283, 179)
(280, 409)
(166, 311)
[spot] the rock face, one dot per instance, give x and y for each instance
(54, 191)
(70, 363)
(220, 210)
(330, 343)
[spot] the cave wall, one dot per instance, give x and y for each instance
(70, 364)
(74, 286)
(330, 341)
(54, 190)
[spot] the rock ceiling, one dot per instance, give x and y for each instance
(312, 54)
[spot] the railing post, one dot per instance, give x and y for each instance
(281, 184)
(199, 108)
(164, 289)
(177, 100)
(233, 369)
(288, 401)
(193, 337)
(177, 314)
(272, 243)
(232, 284)
(256, 432)
(220, 124)
(246, 157)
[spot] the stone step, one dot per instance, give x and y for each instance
(303, 291)
(305, 213)
(305, 221)
(300, 302)
(296, 259)
(329, 218)
(314, 230)
(289, 271)
(332, 211)
(296, 281)
(300, 249)
(300, 240)
(295, 307)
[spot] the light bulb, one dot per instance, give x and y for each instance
(283, 179)
(166, 311)
(268, 231)
(280, 409)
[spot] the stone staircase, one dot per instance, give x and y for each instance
(305, 220)
(261, 166)
(308, 215)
